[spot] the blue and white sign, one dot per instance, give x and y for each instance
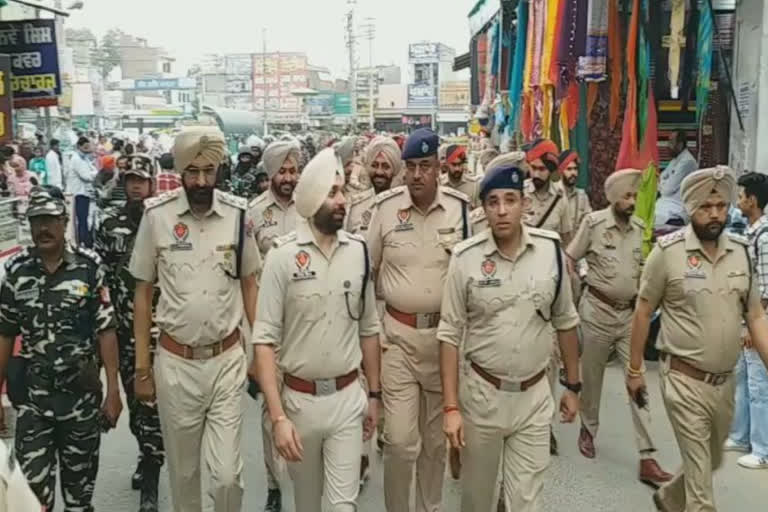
(34, 57)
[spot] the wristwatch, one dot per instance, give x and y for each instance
(575, 388)
(374, 394)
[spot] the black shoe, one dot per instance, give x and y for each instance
(365, 473)
(138, 475)
(274, 501)
(552, 443)
(149, 483)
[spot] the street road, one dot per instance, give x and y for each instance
(607, 484)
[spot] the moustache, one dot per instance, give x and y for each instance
(538, 182)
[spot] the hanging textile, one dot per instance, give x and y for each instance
(615, 57)
(645, 205)
(474, 84)
(518, 67)
(507, 52)
(705, 58)
(592, 65)
(676, 40)
(689, 58)
(495, 53)
(643, 72)
(603, 149)
(550, 42)
(581, 139)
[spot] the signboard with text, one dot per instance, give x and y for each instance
(6, 100)
(31, 45)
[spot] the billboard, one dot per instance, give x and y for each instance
(320, 105)
(158, 84)
(421, 95)
(423, 51)
(454, 94)
(34, 61)
(275, 75)
(342, 104)
(6, 100)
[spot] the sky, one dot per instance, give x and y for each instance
(188, 29)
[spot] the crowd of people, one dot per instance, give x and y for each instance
(438, 294)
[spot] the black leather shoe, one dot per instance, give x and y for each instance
(149, 483)
(552, 443)
(274, 501)
(138, 475)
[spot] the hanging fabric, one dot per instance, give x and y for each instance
(615, 57)
(592, 65)
(703, 81)
(689, 58)
(676, 41)
(518, 67)
(580, 138)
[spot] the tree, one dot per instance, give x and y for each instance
(109, 51)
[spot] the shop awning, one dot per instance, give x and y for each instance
(233, 121)
(462, 62)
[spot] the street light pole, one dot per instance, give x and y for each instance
(370, 34)
(264, 78)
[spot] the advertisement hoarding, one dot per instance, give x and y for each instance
(6, 100)
(31, 45)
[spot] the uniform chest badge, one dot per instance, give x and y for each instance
(366, 220)
(269, 218)
(404, 220)
(181, 234)
(303, 272)
(694, 267)
(488, 269)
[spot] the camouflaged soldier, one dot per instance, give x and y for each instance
(382, 163)
(114, 243)
(55, 296)
(456, 175)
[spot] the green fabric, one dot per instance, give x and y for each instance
(580, 139)
(645, 207)
(643, 72)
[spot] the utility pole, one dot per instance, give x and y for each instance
(369, 31)
(350, 36)
(264, 78)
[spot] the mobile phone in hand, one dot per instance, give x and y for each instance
(641, 398)
(253, 388)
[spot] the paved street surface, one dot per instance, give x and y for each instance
(606, 484)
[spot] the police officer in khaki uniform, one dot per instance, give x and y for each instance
(611, 240)
(194, 242)
(382, 163)
(412, 232)
(477, 218)
(272, 215)
(578, 201)
(505, 296)
(701, 278)
(317, 303)
(456, 176)
(345, 148)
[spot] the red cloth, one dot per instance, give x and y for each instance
(166, 182)
(540, 149)
(455, 153)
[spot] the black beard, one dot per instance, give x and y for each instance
(325, 223)
(539, 183)
(199, 196)
(708, 232)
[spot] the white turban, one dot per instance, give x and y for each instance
(276, 154)
(697, 186)
(254, 142)
(345, 149)
(383, 146)
(621, 182)
(316, 181)
(200, 143)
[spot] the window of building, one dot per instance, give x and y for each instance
(166, 67)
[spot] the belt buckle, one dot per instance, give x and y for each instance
(717, 379)
(510, 386)
(424, 320)
(203, 352)
(325, 387)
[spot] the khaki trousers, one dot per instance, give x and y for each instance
(606, 332)
(700, 415)
(504, 429)
(200, 407)
(413, 426)
(330, 428)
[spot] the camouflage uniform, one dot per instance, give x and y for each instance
(114, 243)
(245, 185)
(58, 316)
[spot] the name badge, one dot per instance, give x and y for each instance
(695, 274)
(446, 231)
(489, 283)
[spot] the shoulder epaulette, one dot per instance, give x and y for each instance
(88, 253)
(672, 238)
(17, 259)
(477, 215)
(387, 194)
(355, 236)
(282, 240)
(362, 196)
(470, 242)
(594, 218)
(166, 197)
(739, 239)
(233, 200)
(256, 200)
(455, 193)
(638, 222)
(543, 233)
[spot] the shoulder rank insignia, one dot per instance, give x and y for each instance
(638, 222)
(163, 198)
(543, 233)
(470, 242)
(233, 200)
(477, 215)
(455, 193)
(739, 239)
(672, 238)
(362, 196)
(282, 240)
(387, 194)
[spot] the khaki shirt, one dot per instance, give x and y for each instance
(469, 186)
(306, 303)
(192, 257)
(410, 249)
(269, 219)
(359, 213)
(478, 220)
(702, 301)
(538, 204)
(490, 304)
(614, 254)
(578, 204)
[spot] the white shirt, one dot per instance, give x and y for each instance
(670, 204)
(81, 175)
(53, 167)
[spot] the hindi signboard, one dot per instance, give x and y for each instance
(6, 100)
(34, 61)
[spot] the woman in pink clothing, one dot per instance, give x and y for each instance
(20, 181)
